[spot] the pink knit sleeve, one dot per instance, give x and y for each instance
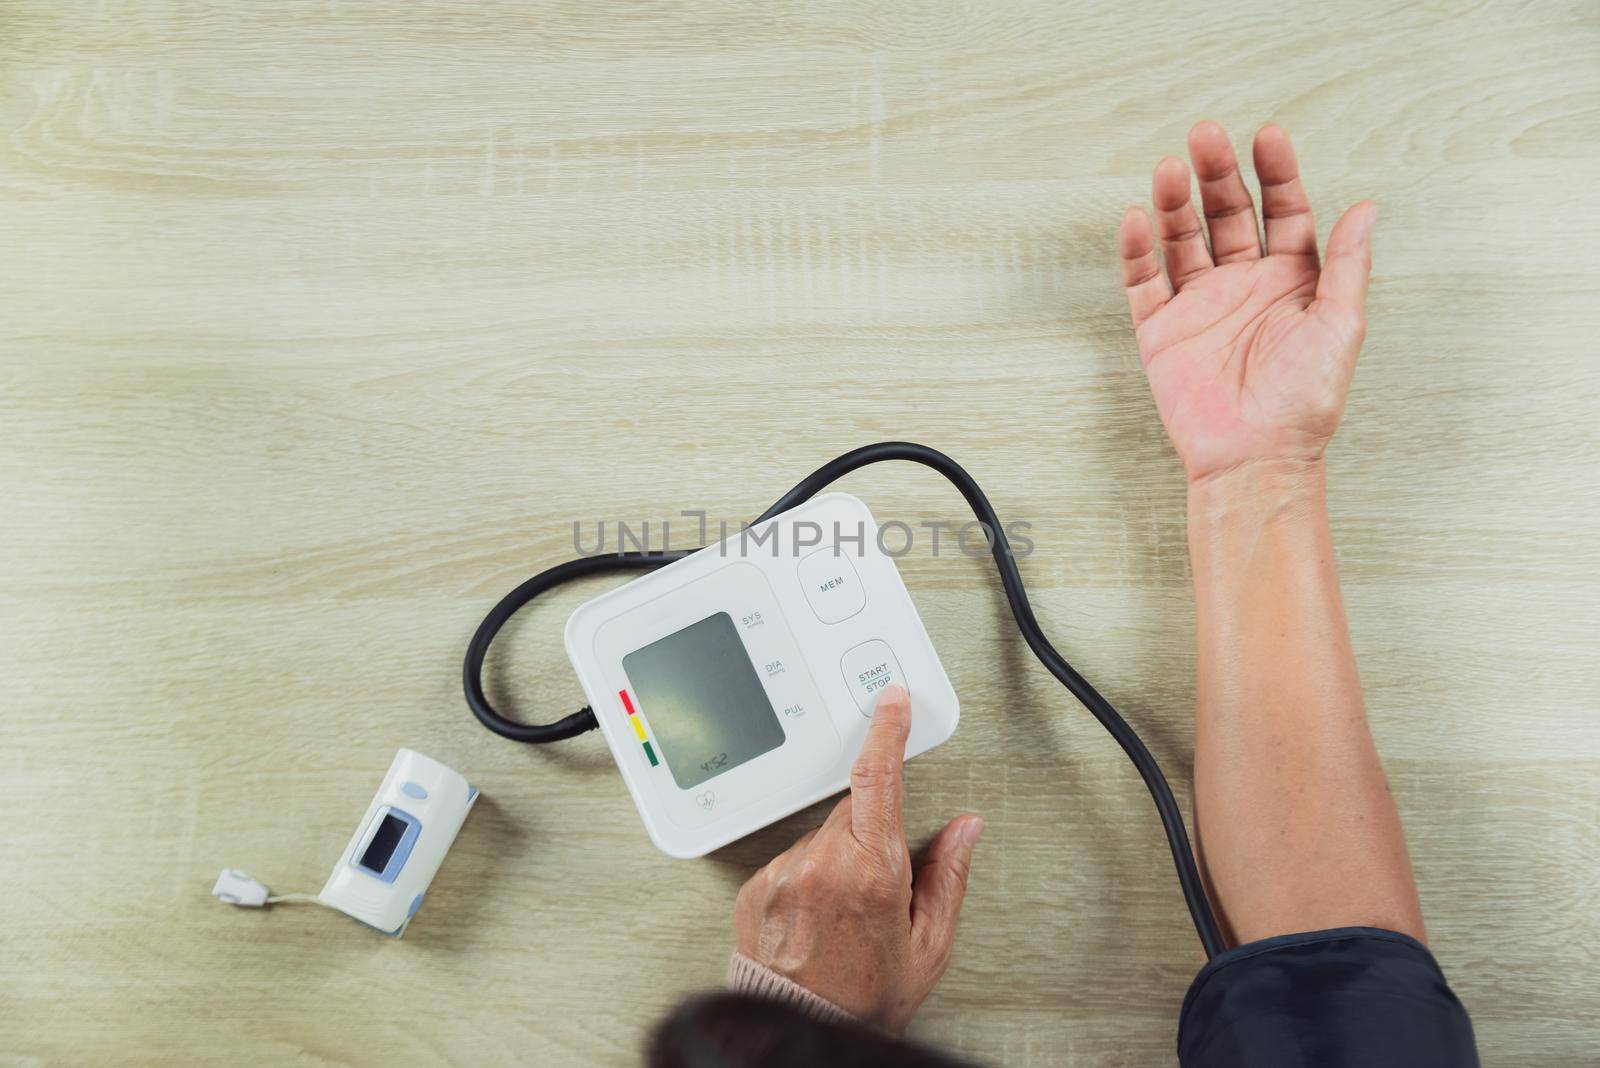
(746, 976)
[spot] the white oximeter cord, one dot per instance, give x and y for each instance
(234, 887)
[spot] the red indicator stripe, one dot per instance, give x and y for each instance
(625, 702)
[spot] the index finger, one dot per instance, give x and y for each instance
(876, 777)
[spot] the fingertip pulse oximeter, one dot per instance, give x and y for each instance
(397, 848)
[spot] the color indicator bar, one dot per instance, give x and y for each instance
(638, 727)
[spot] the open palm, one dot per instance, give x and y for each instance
(1249, 355)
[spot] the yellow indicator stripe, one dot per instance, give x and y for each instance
(638, 727)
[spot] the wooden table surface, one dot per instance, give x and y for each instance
(323, 322)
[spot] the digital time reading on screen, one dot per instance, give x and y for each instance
(707, 707)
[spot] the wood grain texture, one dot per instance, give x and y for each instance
(324, 322)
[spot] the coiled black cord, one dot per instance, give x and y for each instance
(1205, 922)
(472, 672)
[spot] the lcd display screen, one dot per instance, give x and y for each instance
(381, 848)
(703, 700)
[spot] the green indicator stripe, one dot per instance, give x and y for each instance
(651, 753)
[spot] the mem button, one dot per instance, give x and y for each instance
(832, 586)
(868, 668)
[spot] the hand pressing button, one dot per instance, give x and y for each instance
(868, 668)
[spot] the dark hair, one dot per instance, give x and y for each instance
(732, 1031)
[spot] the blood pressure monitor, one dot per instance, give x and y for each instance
(735, 686)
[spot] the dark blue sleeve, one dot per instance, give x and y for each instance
(1352, 996)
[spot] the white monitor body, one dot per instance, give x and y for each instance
(735, 686)
(400, 842)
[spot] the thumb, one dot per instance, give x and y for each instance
(939, 888)
(1344, 275)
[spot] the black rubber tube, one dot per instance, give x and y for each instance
(472, 671)
(1194, 896)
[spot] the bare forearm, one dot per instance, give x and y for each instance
(1296, 825)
